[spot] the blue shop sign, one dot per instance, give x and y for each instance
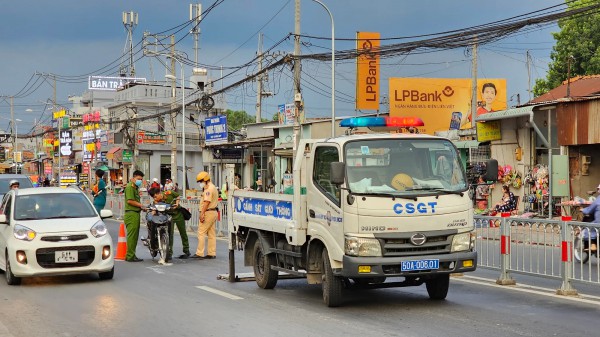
(264, 207)
(216, 130)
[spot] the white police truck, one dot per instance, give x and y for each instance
(368, 210)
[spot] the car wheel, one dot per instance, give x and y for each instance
(11, 279)
(108, 275)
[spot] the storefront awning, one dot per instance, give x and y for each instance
(466, 144)
(113, 150)
(284, 150)
(525, 111)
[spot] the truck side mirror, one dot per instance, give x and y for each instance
(337, 173)
(491, 172)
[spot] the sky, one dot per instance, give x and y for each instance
(75, 39)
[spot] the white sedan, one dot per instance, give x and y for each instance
(53, 231)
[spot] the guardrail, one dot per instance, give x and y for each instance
(556, 249)
(116, 203)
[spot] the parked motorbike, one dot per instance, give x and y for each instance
(158, 222)
(586, 242)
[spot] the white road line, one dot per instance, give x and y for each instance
(531, 291)
(219, 292)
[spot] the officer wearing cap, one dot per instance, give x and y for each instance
(208, 217)
(14, 184)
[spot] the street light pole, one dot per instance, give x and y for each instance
(184, 168)
(332, 68)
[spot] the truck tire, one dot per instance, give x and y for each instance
(266, 277)
(332, 285)
(437, 287)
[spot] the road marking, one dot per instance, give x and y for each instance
(219, 292)
(488, 283)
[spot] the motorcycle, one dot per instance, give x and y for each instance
(586, 242)
(158, 222)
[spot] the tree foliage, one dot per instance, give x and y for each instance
(577, 40)
(236, 119)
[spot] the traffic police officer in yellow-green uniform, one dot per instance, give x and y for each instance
(171, 198)
(133, 206)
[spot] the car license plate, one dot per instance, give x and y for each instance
(420, 265)
(66, 256)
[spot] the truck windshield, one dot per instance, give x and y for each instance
(404, 167)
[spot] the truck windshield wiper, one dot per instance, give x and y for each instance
(437, 189)
(393, 196)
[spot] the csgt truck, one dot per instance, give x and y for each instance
(368, 210)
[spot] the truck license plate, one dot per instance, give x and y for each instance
(420, 265)
(66, 256)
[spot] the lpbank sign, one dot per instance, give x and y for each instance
(111, 83)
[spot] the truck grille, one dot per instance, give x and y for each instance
(401, 245)
(46, 257)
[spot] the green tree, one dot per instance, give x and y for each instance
(236, 119)
(577, 40)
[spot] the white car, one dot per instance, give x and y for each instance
(53, 231)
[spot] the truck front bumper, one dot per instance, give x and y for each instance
(392, 266)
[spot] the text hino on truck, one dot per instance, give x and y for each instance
(368, 210)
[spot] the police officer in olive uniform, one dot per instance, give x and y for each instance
(133, 206)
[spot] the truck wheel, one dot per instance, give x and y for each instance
(332, 285)
(266, 277)
(437, 287)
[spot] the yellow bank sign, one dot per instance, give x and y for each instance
(442, 103)
(367, 71)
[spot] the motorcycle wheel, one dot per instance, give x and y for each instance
(163, 244)
(579, 252)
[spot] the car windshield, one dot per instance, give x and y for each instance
(404, 167)
(23, 182)
(52, 206)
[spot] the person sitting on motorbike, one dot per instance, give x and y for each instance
(593, 209)
(157, 197)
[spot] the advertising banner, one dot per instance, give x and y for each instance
(367, 71)
(216, 130)
(107, 83)
(443, 103)
(263, 207)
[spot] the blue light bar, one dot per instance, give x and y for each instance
(356, 122)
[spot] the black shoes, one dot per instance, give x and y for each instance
(184, 256)
(135, 259)
(207, 257)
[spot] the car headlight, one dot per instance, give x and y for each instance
(463, 242)
(362, 247)
(23, 233)
(99, 229)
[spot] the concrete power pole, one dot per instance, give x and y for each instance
(474, 86)
(195, 15)
(259, 80)
(528, 56)
(297, 93)
(173, 115)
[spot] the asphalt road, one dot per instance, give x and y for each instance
(187, 299)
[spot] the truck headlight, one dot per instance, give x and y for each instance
(362, 247)
(463, 242)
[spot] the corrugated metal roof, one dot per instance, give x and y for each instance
(581, 86)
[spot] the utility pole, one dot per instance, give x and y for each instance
(297, 93)
(173, 115)
(195, 13)
(528, 56)
(259, 81)
(474, 86)
(12, 131)
(570, 58)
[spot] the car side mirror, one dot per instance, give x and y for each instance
(337, 172)
(3, 219)
(106, 213)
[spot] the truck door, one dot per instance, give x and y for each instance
(324, 209)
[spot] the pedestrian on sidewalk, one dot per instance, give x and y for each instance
(99, 191)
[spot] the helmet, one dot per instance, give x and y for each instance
(402, 181)
(203, 176)
(13, 182)
(155, 180)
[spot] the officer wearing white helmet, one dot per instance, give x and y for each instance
(14, 184)
(208, 217)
